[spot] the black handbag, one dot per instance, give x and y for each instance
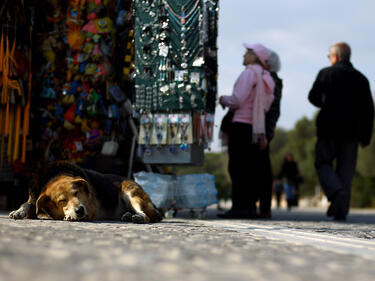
(226, 123)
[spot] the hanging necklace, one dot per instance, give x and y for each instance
(146, 60)
(147, 34)
(160, 121)
(146, 121)
(183, 31)
(177, 19)
(184, 121)
(182, 61)
(140, 100)
(183, 16)
(184, 35)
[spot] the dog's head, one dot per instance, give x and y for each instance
(64, 197)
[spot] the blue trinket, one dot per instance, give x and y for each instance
(173, 149)
(148, 151)
(183, 146)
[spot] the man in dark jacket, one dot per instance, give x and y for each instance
(344, 121)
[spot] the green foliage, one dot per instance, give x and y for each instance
(278, 149)
(301, 143)
(363, 192)
(366, 159)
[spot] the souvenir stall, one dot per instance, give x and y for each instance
(65, 73)
(80, 80)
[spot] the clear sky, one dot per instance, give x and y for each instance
(300, 31)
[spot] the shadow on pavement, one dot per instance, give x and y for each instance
(356, 216)
(296, 214)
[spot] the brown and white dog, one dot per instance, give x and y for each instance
(64, 191)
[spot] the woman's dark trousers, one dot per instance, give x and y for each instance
(247, 170)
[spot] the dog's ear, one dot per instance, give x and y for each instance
(117, 184)
(43, 207)
(82, 184)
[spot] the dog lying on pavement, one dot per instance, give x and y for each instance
(64, 191)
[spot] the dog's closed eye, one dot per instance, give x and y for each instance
(62, 201)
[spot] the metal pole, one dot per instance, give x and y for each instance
(128, 108)
(130, 167)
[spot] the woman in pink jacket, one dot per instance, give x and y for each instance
(251, 98)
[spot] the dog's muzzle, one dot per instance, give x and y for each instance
(80, 212)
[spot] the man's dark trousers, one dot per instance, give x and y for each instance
(339, 178)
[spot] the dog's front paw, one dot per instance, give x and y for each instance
(20, 213)
(138, 218)
(127, 217)
(69, 218)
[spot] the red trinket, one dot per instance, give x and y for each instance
(183, 16)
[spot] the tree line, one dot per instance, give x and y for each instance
(300, 141)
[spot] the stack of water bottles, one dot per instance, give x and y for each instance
(179, 191)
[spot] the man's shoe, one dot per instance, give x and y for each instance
(330, 210)
(234, 214)
(252, 214)
(336, 208)
(340, 217)
(264, 215)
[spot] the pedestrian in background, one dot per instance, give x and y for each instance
(278, 189)
(345, 120)
(252, 96)
(273, 65)
(291, 178)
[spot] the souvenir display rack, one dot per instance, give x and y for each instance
(175, 78)
(74, 88)
(86, 78)
(15, 85)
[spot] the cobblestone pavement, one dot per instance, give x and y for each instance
(284, 248)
